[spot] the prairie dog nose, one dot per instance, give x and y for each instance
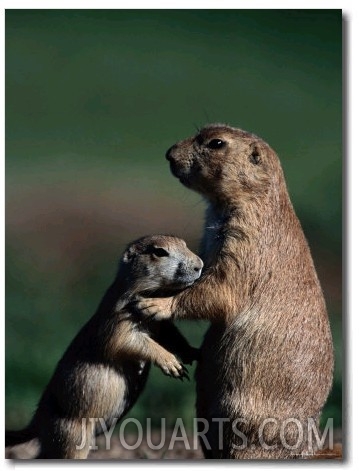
(168, 153)
(198, 266)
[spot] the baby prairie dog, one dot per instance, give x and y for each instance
(105, 368)
(268, 354)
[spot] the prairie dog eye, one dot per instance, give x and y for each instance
(160, 252)
(216, 144)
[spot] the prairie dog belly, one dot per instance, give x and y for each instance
(105, 391)
(121, 391)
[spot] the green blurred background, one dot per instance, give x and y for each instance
(93, 100)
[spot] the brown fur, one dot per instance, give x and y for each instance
(268, 352)
(106, 366)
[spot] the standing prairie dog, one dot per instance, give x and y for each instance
(268, 354)
(105, 368)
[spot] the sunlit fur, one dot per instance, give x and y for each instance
(268, 352)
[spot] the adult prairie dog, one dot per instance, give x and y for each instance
(105, 368)
(268, 353)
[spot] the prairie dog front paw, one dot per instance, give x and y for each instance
(172, 367)
(157, 308)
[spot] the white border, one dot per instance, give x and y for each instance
(351, 12)
(184, 4)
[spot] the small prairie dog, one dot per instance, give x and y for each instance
(105, 368)
(268, 353)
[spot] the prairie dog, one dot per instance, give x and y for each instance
(268, 353)
(105, 368)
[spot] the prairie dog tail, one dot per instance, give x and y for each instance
(15, 437)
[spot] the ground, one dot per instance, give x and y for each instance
(119, 451)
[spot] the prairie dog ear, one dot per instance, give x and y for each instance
(130, 254)
(255, 157)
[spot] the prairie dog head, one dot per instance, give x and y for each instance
(222, 162)
(160, 263)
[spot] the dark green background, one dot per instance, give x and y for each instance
(93, 100)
